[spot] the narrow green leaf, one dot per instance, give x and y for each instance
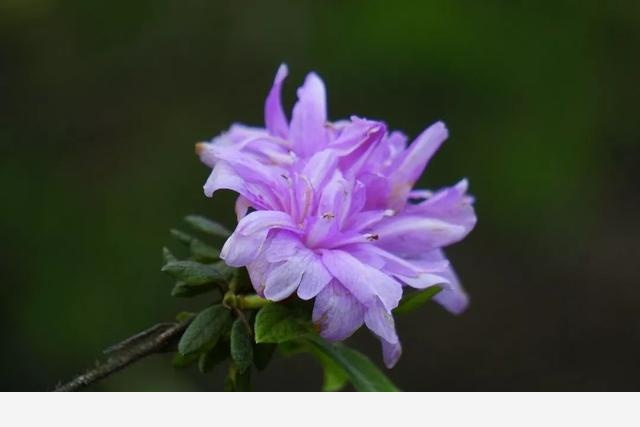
(185, 290)
(262, 355)
(200, 250)
(363, 374)
(205, 330)
(276, 323)
(334, 376)
(416, 299)
(241, 346)
(181, 236)
(167, 256)
(203, 252)
(207, 226)
(292, 347)
(195, 273)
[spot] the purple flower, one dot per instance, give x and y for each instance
(334, 215)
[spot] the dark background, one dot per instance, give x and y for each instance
(102, 101)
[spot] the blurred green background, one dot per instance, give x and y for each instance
(102, 101)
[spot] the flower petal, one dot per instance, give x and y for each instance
(307, 131)
(453, 297)
(365, 283)
(410, 234)
(320, 167)
(274, 117)
(424, 280)
(315, 278)
(356, 133)
(284, 279)
(246, 242)
(258, 270)
(282, 245)
(337, 312)
(451, 204)
(242, 207)
(391, 353)
(380, 321)
(409, 167)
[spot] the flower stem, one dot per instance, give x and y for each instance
(249, 302)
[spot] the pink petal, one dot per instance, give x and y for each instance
(284, 279)
(242, 207)
(315, 278)
(410, 234)
(364, 282)
(380, 321)
(246, 242)
(274, 117)
(337, 312)
(307, 131)
(408, 168)
(391, 353)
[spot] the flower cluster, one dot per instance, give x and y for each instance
(327, 210)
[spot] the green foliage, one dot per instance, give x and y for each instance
(207, 226)
(214, 336)
(194, 273)
(185, 290)
(334, 376)
(416, 299)
(276, 323)
(205, 330)
(241, 345)
(200, 251)
(202, 273)
(167, 256)
(362, 373)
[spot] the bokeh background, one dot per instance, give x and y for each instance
(102, 101)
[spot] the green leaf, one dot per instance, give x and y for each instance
(241, 346)
(185, 290)
(195, 273)
(167, 256)
(363, 374)
(276, 323)
(205, 330)
(203, 252)
(262, 355)
(335, 377)
(416, 299)
(181, 236)
(292, 347)
(200, 250)
(207, 226)
(212, 357)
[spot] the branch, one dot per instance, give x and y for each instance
(153, 340)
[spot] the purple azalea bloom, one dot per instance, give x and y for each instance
(327, 210)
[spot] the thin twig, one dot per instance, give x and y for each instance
(143, 344)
